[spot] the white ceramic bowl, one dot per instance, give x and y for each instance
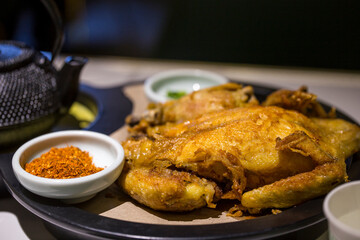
(157, 86)
(106, 152)
(342, 210)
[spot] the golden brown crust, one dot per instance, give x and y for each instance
(296, 189)
(213, 99)
(299, 100)
(165, 189)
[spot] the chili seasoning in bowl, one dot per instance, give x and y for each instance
(67, 162)
(69, 165)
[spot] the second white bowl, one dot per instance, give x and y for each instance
(342, 210)
(157, 86)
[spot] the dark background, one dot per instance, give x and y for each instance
(315, 34)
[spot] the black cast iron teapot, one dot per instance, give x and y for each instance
(33, 94)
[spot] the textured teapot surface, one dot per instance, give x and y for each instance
(28, 85)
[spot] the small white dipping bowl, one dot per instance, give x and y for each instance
(105, 151)
(157, 86)
(342, 210)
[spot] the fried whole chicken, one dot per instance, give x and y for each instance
(262, 156)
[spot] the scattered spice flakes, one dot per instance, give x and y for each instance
(276, 211)
(62, 163)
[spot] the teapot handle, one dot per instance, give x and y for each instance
(53, 10)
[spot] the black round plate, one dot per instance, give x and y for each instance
(67, 221)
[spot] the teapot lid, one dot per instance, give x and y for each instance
(14, 54)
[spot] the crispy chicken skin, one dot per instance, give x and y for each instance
(300, 100)
(262, 156)
(191, 106)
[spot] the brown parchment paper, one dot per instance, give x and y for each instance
(113, 203)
